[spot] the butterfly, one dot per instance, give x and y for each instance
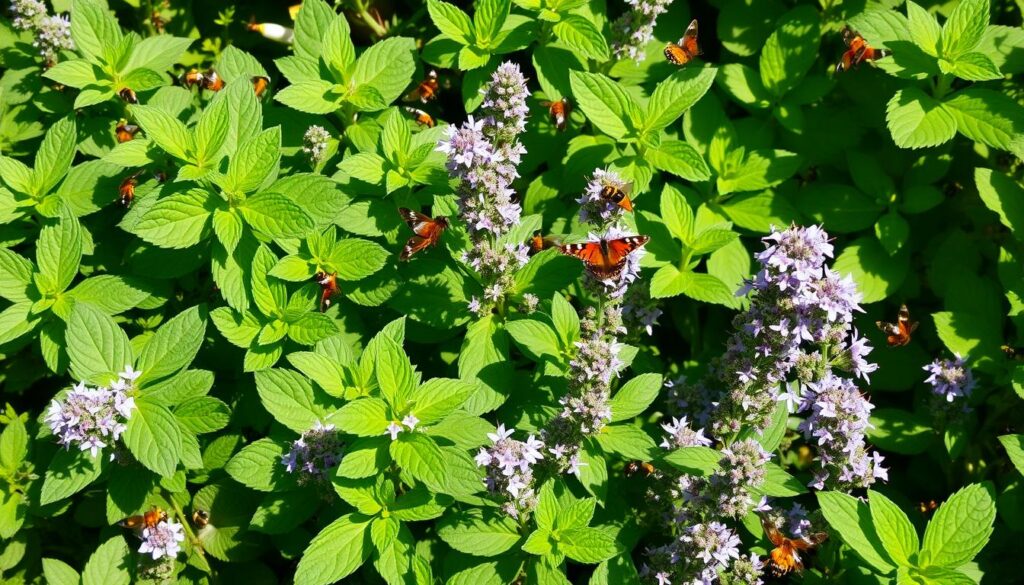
(128, 95)
(260, 83)
(785, 557)
(857, 51)
(126, 190)
(328, 288)
(147, 519)
(426, 90)
(683, 52)
(559, 111)
(605, 259)
(125, 132)
(426, 231)
(898, 333)
(539, 243)
(422, 118)
(618, 195)
(212, 81)
(192, 78)
(634, 467)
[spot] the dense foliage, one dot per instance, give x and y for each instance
(647, 328)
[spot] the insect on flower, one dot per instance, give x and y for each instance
(125, 132)
(857, 51)
(126, 190)
(539, 243)
(212, 81)
(426, 90)
(148, 519)
(426, 231)
(559, 111)
(686, 49)
(260, 83)
(128, 95)
(605, 259)
(635, 467)
(898, 333)
(328, 288)
(422, 118)
(192, 78)
(618, 195)
(785, 557)
(200, 518)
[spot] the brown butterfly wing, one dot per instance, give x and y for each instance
(417, 222)
(689, 41)
(809, 541)
(591, 254)
(772, 532)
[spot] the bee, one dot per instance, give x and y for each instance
(128, 95)
(126, 191)
(634, 467)
(618, 193)
(426, 90)
(857, 51)
(926, 508)
(272, 31)
(422, 118)
(192, 78)
(260, 83)
(898, 333)
(200, 518)
(785, 557)
(212, 81)
(328, 288)
(539, 243)
(125, 132)
(686, 49)
(559, 112)
(147, 519)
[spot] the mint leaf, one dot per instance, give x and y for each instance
(916, 120)
(483, 533)
(173, 346)
(387, 66)
(851, 519)
(98, 348)
(337, 551)
(451, 21)
(960, 527)
(58, 254)
(169, 133)
(178, 221)
(154, 437)
(276, 215)
(69, 472)
(587, 545)
(964, 28)
(894, 529)
(790, 51)
(291, 399)
(55, 154)
(311, 26)
(258, 466)
(108, 564)
(635, 396)
(606, 104)
(989, 117)
(580, 35)
(1014, 446)
(924, 29)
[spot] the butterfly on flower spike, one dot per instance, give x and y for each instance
(857, 51)
(426, 231)
(538, 243)
(147, 519)
(785, 557)
(559, 112)
(898, 333)
(426, 90)
(686, 49)
(605, 259)
(328, 288)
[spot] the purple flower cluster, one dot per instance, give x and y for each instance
(52, 33)
(633, 30)
(594, 207)
(639, 311)
(837, 422)
(510, 464)
(496, 264)
(704, 553)
(93, 418)
(162, 540)
(680, 434)
(313, 455)
(950, 379)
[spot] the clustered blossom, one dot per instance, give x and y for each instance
(837, 422)
(315, 453)
(162, 540)
(703, 553)
(950, 379)
(639, 311)
(510, 464)
(52, 33)
(597, 209)
(409, 422)
(314, 143)
(93, 418)
(496, 264)
(633, 30)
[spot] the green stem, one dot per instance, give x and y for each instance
(943, 86)
(189, 534)
(369, 20)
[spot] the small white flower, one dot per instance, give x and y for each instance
(393, 430)
(410, 421)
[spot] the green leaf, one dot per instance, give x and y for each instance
(876, 273)
(790, 51)
(438, 397)
(313, 96)
(537, 339)
(386, 66)
(74, 73)
(851, 520)
(276, 216)
(989, 117)
(680, 159)
(59, 252)
(337, 551)
(55, 154)
(258, 466)
(166, 131)
(668, 281)
(98, 348)
(898, 535)
(365, 417)
(69, 472)
(605, 104)
(158, 53)
(580, 35)
(675, 95)
(1014, 445)
(355, 258)
(916, 120)
(154, 437)
(960, 527)
(57, 572)
(451, 21)
(338, 50)
(291, 399)
(255, 161)
(973, 67)
(173, 346)
(13, 445)
(488, 20)
(178, 221)
(900, 431)
(635, 396)
(394, 373)
(311, 26)
(587, 545)
(744, 85)
(924, 29)
(109, 293)
(94, 30)
(892, 232)
(109, 563)
(631, 442)
(964, 28)
(759, 170)
(479, 532)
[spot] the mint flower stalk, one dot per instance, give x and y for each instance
(633, 30)
(315, 454)
(509, 465)
(93, 418)
(950, 379)
(52, 33)
(162, 540)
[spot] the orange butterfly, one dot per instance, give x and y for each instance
(559, 111)
(422, 118)
(539, 243)
(605, 259)
(125, 132)
(260, 83)
(128, 95)
(426, 231)
(328, 288)
(145, 520)
(898, 333)
(857, 51)
(618, 195)
(683, 52)
(785, 557)
(426, 90)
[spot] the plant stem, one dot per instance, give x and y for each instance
(189, 534)
(943, 85)
(369, 20)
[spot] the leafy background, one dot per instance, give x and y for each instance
(204, 283)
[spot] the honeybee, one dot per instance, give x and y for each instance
(422, 118)
(785, 557)
(559, 112)
(634, 467)
(147, 519)
(200, 518)
(328, 288)
(212, 81)
(192, 78)
(128, 95)
(125, 132)
(618, 194)
(426, 90)
(260, 83)
(686, 49)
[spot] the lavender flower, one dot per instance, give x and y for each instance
(742, 467)
(93, 418)
(505, 103)
(680, 434)
(313, 455)
(314, 143)
(639, 311)
(633, 30)
(704, 553)
(950, 379)
(838, 420)
(162, 540)
(510, 466)
(52, 33)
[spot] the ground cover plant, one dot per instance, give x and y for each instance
(494, 292)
